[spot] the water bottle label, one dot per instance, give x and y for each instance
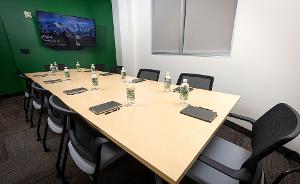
(167, 83)
(52, 68)
(67, 74)
(123, 75)
(130, 94)
(184, 93)
(95, 81)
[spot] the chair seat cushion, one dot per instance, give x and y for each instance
(109, 154)
(26, 94)
(223, 152)
(57, 128)
(36, 104)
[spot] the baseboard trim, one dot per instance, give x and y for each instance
(286, 152)
(11, 95)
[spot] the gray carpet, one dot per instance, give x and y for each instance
(22, 159)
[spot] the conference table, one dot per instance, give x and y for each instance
(152, 130)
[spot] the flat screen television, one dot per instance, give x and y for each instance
(58, 30)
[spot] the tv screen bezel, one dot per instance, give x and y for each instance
(60, 14)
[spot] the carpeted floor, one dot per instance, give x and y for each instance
(22, 159)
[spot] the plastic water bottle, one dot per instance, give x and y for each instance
(93, 69)
(67, 73)
(56, 67)
(167, 83)
(130, 91)
(94, 78)
(78, 66)
(123, 75)
(184, 92)
(52, 69)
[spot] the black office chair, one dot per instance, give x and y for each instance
(116, 69)
(197, 81)
(27, 92)
(149, 74)
(224, 162)
(60, 67)
(39, 102)
(57, 121)
(46, 68)
(88, 149)
(100, 67)
(284, 174)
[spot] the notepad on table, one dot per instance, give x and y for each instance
(138, 80)
(199, 113)
(52, 81)
(106, 107)
(106, 74)
(75, 91)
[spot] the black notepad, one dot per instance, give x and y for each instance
(199, 113)
(138, 80)
(75, 91)
(177, 90)
(40, 75)
(52, 81)
(106, 107)
(106, 74)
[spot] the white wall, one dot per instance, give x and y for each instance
(124, 33)
(265, 61)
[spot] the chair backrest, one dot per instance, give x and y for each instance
(38, 92)
(116, 69)
(27, 80)
(46, 68)
(149, 74)
(100, 67)
(60, 66)
(197, 81)
(275, 128)
(81, 134)
(58, 110)
(82, 137)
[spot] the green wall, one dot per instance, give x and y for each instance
(24, 33)
(9, 82)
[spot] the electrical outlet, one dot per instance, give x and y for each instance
(27, 15)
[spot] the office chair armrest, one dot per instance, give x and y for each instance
(100, 141)
(284, 174)
(241, 174)
(240, 117)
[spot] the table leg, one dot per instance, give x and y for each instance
(158, 179)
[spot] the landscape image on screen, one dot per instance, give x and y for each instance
(68, 31)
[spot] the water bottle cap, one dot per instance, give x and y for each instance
(168, 73)
(51, 64)
(77, 62)
(92, 64)
(122, 68)
(54, 62)
(66, 67)
(185, 80)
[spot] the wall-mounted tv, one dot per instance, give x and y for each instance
(66, 31)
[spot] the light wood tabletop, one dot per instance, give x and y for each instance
(152, 130)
